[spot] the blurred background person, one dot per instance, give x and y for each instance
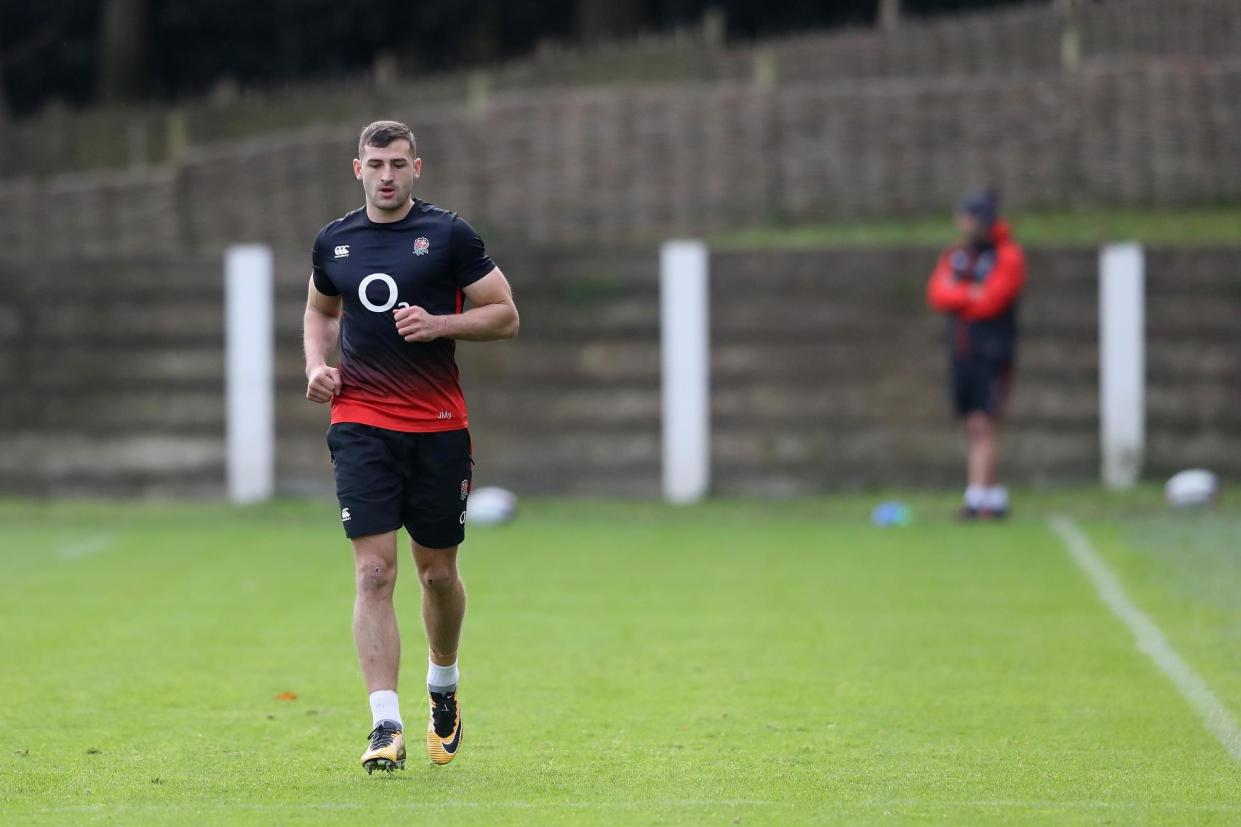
(977, 284)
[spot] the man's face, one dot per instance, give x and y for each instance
(387, 174)
(972, 230)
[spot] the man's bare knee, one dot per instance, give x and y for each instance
(978, 426)
(375, 577)
(438, 578)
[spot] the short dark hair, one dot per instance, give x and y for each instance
(382, 133)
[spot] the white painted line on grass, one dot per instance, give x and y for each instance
(1035, 804)
(85, 547)
(331, 806)
(1149, 638)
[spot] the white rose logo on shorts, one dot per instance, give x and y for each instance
(421, 246)
(465, 489)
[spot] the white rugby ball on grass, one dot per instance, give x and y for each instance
(1191, 489)
(490, 506)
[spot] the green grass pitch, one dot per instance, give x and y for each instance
(731, 663)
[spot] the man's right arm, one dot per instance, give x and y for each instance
(943, 292)
(320, 334)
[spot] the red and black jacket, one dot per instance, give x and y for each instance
(978, 286)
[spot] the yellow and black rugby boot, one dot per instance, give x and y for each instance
(387, 748)
(444, 727)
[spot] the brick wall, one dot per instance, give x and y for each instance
(855, 123)
(627, 163)
(113, 372)
(1033, 39)
(828, 374)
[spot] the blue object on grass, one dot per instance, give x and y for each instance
(891, 513)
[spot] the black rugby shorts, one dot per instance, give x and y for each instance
(388, 479)
(980, 385)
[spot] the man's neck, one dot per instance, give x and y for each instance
(388, 216)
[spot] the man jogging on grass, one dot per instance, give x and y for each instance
(389, 284)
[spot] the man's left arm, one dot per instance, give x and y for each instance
(492, 315)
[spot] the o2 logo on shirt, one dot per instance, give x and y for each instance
(392, 293)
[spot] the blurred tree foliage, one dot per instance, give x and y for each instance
(78, 52)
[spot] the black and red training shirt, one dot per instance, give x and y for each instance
(426, 259)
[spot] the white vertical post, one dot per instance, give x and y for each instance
(250, 343)
(1122, 363)
(684, 313)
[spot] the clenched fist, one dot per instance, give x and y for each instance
(322, 383)
(416, 324)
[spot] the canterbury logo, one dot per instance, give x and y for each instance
(342, 251)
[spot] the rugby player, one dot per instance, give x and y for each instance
(389, 284)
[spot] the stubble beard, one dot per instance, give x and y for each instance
(389, 204)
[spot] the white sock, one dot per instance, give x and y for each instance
(442, 678)
(385, 707)
(995, 498)
(976, 497)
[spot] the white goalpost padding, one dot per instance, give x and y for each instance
(1122, 363)
(685, 356)
(250, 344)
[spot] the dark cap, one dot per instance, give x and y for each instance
(983, 205)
